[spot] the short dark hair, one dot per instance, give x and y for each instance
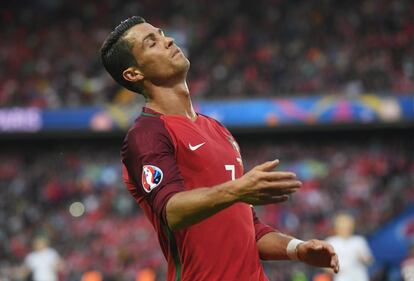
(116, 53)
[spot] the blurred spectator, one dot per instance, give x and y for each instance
(322, 277)
(92, 276)
(146, 274)
(407, 266)
(107, 233)
(44, 263)
(353, 250)
(49, 55)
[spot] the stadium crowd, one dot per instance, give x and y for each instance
(108, 233)
(49, 56)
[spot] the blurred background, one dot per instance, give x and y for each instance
(326, 86)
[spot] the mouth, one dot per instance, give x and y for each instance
(177, 51)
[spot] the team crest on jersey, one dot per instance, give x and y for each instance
(151, 177)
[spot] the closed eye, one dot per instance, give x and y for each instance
(151, 37)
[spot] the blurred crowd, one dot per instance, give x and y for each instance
(75, 197)
(49, 56)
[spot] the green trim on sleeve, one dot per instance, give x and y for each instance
(174, 250)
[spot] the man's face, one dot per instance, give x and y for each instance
(344, 225)
(159, 59)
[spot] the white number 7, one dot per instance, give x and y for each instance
(231, 168)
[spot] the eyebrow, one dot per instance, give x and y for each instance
(152, 36)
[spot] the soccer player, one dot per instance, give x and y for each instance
(44, 263)
(185, 171)
(353, 250)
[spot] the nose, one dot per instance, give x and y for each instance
(169, 41)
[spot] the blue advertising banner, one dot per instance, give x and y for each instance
(259, 113)
(310, 110)
(69, 119)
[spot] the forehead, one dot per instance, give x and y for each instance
(139, 31)
(344, 219)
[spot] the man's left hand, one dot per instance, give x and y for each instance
(318, 253)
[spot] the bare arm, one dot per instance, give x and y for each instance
(272, 246)
(259, 186)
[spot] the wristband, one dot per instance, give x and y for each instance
(291, 249)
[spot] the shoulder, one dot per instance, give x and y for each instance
(211, 119)
(331, 239)
(52, 252)
(217, 124)
(147, 132)
(359, 239)
(145, 125)
(30, 257)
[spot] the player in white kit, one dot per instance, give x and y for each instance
(353, 251)
(44, 262)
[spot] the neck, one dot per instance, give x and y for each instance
(345, 236)
(171, 100)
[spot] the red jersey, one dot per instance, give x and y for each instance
(166, 154)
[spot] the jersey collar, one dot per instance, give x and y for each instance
(149, 112)
(146, 111)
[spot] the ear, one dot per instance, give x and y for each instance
(132, 74)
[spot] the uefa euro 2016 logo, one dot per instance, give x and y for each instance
(151, 177)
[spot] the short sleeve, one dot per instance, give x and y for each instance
(28, 261)
(260, 228)
(364, 248)
(149, 158)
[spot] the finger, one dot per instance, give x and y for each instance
(271, 200)
(270, 197)
(267, 166)
(328, 247)
(279, 199)
(279, 175)
(335, 263)
(280, 185)
(278, 191)
(317, 247)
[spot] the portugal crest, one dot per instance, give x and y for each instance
(151, 177)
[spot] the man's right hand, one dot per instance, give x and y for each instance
(262, 185)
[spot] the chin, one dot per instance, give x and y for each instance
(187, 65)
(183, 65)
